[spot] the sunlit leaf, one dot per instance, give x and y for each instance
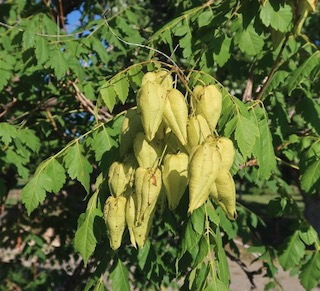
(120, 277)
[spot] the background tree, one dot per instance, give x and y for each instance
(64, 89)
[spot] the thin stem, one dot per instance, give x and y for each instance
(273, 69)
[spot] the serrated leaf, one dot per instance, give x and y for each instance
(19, 161)
(263, 149)
(57, 173)
(303, 71)
(135, 74)
(77, 165)
(291, 251)
(310, 175)
(34, 192)
(58, 62)
(120, 277)
(246, 134)
(85, 240)
(309, 235)
(249, 41)
(310, 272)
(100, 49)
(279, 19)
(42, 49)
(7, 132)
(29, 138)
(102, 142)
(205, 18)
(108, 96)
(121, 87)
(221, 53)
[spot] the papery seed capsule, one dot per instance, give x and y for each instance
(175, 177)
(119, 177)
(130, 127)
(204, 167)
(151, 101)
(176, 114)
(146, 153)
(114, 215)
(164, 78)
(197, 130)
(226, 149)
(209, 104)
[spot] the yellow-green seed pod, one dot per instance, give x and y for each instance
(175, 177)
(197, 130)
(119, 177)
(161, 133)
(115, 219)
(141, 232)
(195, 96)
(164, 78)
(131, 218)
(137, 194)
(226, 193)
(176, 114)
(131, 164)
(226, 149)
(149, 77)
(151, 100)
(209, 104)
(146, 153)
(204, 167)
(130, 127)
(151, 187)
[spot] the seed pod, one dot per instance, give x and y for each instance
(151, 100)
(149, 77)
(209, 104)
(151, 188)
(137, 195)
(161, 132)
(114, 215)
(119, 177)
(131, 218)
(227, 152)
(176, 114)
(175, 177)
(130, 127)
(164, 78)
(226, 193)
(146, 153)
(130, 163)
(141, 232)
(197, 130)
(204, 167)
(195, 96)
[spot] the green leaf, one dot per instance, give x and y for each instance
(221, 51)
(310, 175)
(249, 41)
(291, 251)
(7, 132)
(102, 142)
(34, 192)
(205, 18)
(263, 148)
(100, 49)
(58, 62)
(310, 272)
(108, 96)
(303, 71)
(42, 49)
(121, 87)
(135, 74)
(78, 167)
(197, 220)
(120, 277)
(85, 240)
(279, 18)
(246, 135)
(57, 173)
(308, 235)
(19, 160)
(29, 138)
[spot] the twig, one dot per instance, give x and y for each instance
(273, 69)
(103, 115)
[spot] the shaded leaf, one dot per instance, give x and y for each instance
(249, 41)
(121, 87)
(120, 277)
(291, 251)
(246, 134)
(108, 96)
(310, 272)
